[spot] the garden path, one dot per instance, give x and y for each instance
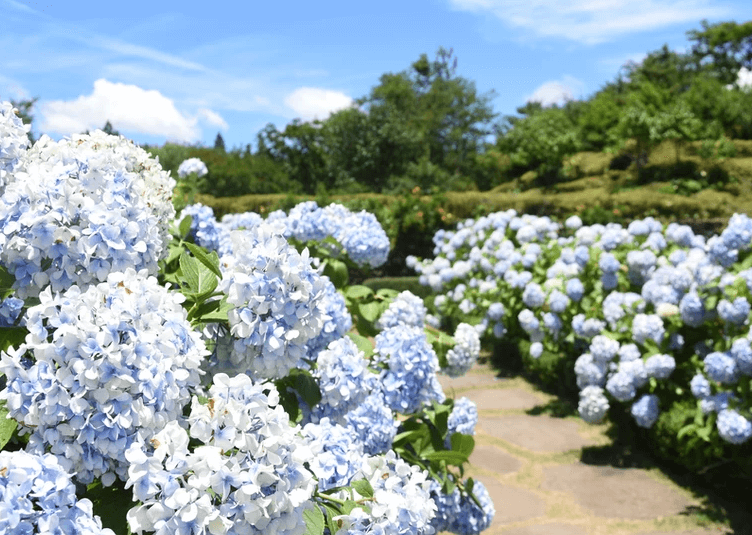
(533, 467)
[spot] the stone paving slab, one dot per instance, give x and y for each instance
(503, 398)
(469, 380)
(542, 434)
(512, 504)
(606, 491)
(494, 459)
(548, 529)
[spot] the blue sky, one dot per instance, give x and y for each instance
(183, 71)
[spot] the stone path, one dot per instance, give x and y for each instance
(532, 469)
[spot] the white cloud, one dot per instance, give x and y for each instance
(127, 107)
(593, 21)
(557, 91)
(212, 118)
(315, 103)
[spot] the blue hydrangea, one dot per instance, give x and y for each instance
(621, 386)
(742, 354)
(38, 496)
(721, 367)
(733, 427)
(603, 348)
(587, 327)
(244, 221)
(645, 410)
(337, 453)
(536, 350)
(629, 352)
(593, 404)
(108, 364)
(495, 311)
(735, 313)
(640, 264)
(10, 310)
(589, 371)
(82, 208)
(14, 142)
(608, 263)
(278, 305)
(461, 357)
(206, 231)
(692, 310)
(408, 379)
(648, 327)
(660, 366)
(192, 165)
(344, 380)
(558, 301)
(459, 513)
(338, 322)
(406, 309)
(700, 386)
(720, 253)
(717, 402)
(609, 281)
(463, 418)
(738, 232)
(575, 290)
(374, 423)
(529, 323)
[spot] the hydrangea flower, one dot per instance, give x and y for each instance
(192, 165)
(459, 513)
(735, 313)
(645, 410)
(742, 354)
(408, 379)
(533, 295)
(461, 357)
(647, 327)
(337, 453)
(344, 380)
(593, 404)
(660, 366)
(338, 322)
(278, 301)
(10, 310)
(81, 208)
(536, 350)
(241, 467)
(110, 364)
(206, 231)
(407, 308)
(374, 423)
(590, 371)
(692, 309)
(401, 502)
(38, 496)
(14, 142)
(733, 427)
(463, 418)
(621, 386)
(603, 348)
(721, 367)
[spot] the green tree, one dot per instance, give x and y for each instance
(723, 48)
(219, 142)
(538, 141)
(109, 129)
(440, 111)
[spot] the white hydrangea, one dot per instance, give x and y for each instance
(81, 208)
(13, 142)
(192, 165)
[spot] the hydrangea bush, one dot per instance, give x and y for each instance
(205, 372)
(647, 317)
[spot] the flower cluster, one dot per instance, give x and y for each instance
(81, 208)
(100, 369)
(192, 165)
(278, 305)
(38, 496)
(620, 302)
(13, 142)
(246, 475)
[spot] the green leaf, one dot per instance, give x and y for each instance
(370, 311)
(336, 270)
(331, 512)
(6, 282)
(189, 268)
(363, 487)
(462, 443)
(357, 291)
(450, 457)
(185, 226)
(7, 425)
(306, 386)
(210, 260)
(12, 337)
(363, 343)
(314, 520)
